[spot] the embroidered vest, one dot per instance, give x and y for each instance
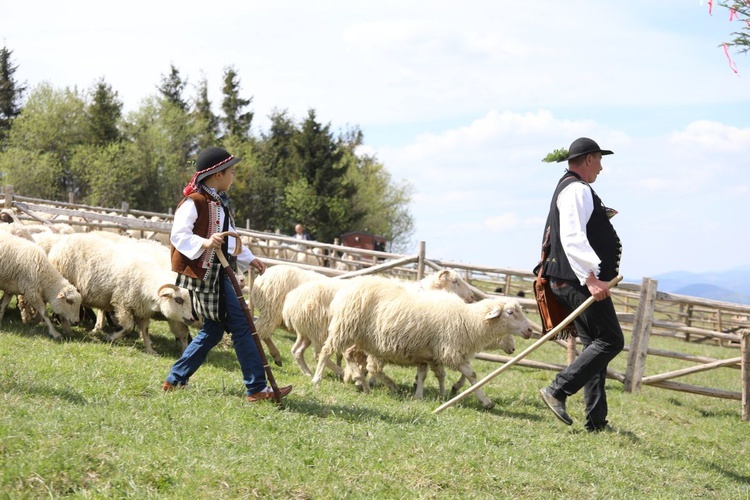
(205, 225)
(599, 230)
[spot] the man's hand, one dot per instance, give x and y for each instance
(259, 265)
(599, 289)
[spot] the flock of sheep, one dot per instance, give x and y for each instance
(372, 321)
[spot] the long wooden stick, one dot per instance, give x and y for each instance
(526, 351)
(248, 315)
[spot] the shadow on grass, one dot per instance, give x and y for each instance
(721, 468)
(352, 413)
(43, 390)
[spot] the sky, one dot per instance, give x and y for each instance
(461, 100)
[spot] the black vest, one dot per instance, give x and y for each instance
(599, 230)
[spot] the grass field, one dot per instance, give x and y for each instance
(86, 419)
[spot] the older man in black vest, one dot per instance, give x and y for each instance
(583, 254)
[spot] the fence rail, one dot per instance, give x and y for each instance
(642, 309)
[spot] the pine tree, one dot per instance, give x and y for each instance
(322, 195)
(171, 88)
(236, 123)
(741, 38)
(104, 114)
(207, 123)
(11, 93)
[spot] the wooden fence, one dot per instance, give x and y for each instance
(644, 312)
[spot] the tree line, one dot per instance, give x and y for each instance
(54, 142)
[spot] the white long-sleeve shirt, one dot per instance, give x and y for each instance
(576, 204)
(191, 245)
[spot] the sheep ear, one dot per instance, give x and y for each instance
(167, 290)
(495, 313)
(60, 295)
(444, 274)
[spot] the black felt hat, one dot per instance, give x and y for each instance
(210, 161)
(583, 146)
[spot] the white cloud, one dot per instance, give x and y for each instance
(713, 137)
(461, 100)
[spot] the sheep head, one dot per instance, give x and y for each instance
(175, 304)
(67, 303)
(512, 313)
(449, 281)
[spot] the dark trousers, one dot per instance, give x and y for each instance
(601, 335)
(253, 372)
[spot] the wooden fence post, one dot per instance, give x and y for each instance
(420, 261)
(641, 332)
(9, 197)
(689, 321)
(745, 350)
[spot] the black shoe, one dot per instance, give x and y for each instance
(557, 406)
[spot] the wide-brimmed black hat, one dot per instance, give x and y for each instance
(210, 161)
(583, 146)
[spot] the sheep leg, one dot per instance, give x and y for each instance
(356, 373)
(143, 327)
(101, 319)
(471, 376)
(181, 333)
(439, 371)
(126, 323)
(375, 367)
(273, 350)
(421, 374)
(38, 304)
(459, 383)
(325, 354)
(336, 369)
(4, 305)
(29, 315)
(298, 352)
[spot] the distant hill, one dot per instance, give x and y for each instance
(727, 286)
(713, 292)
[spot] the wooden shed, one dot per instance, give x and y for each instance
(367, 241)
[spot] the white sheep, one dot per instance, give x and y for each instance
(24, 269)
(313, 258)
(506, 343)
(306, 310)
(268, 295)
(119, 277)
(160, 254)
(395, 325)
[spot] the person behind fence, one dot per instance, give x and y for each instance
(198, 220)
(584, 255)
(301, 234)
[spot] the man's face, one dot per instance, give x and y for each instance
(592, 167)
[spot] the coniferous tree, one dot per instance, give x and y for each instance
(321, 197)
(207, 123)
(261, 198)
(11, 93)
(236, 123)
(742, 11)
(172, 87)
(104, 114)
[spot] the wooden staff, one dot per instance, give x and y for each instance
(526, 351)
(248, 315)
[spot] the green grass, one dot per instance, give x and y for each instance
(86, 419)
